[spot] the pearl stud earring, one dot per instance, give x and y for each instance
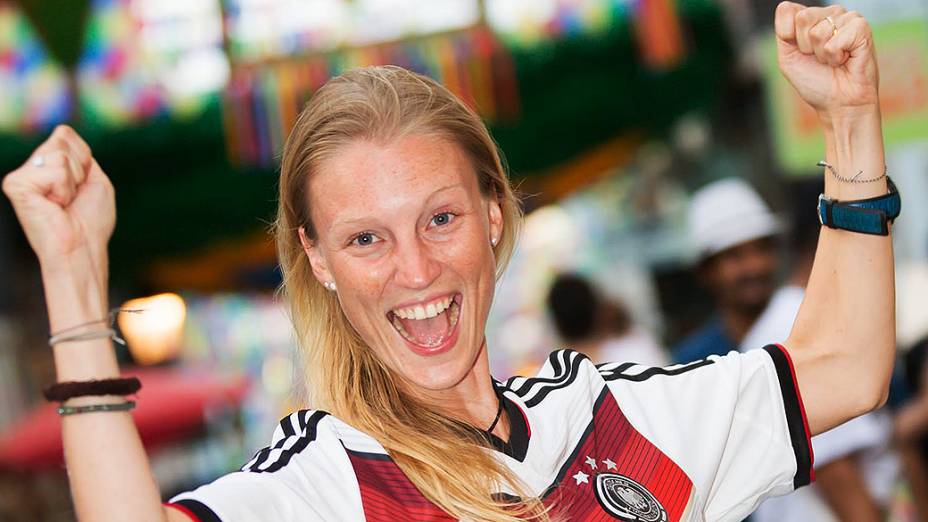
(329, 285)
(494, 241)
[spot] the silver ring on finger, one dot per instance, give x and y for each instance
(38, 161)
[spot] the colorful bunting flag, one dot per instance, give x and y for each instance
(263, 100)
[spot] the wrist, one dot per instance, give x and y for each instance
(844, 118)
(854, 144)
(87, 258)
(74, 294)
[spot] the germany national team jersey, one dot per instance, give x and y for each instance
(701, 441)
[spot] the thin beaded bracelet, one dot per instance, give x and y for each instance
(855, 179)
(92, 408)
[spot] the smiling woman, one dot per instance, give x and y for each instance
(396, 219)
(392, 189)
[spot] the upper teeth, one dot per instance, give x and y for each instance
(424, 312)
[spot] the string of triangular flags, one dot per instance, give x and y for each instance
(262, 101)
(659, 33)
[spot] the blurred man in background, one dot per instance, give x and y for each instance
(733, 234)
(603, 330)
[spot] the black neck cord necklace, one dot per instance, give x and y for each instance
(499, 414)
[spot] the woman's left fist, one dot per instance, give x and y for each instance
(827, 54)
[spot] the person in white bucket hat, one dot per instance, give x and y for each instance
(732, 236)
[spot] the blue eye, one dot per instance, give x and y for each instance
(442, 218)
(364, 239)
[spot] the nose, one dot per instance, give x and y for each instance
(760, 259)
(416, 267)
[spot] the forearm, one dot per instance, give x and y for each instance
(107, 466)
(844, 334)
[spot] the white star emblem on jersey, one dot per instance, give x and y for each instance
(581, 477)
(591, 462)
(609, 464)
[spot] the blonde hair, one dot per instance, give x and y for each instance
(344, 376)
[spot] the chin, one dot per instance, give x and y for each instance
(443, 372)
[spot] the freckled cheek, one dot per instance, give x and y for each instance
(467, 257)
(361, 282)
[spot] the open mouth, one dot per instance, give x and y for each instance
(428, 325)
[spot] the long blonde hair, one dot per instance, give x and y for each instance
(344, 375)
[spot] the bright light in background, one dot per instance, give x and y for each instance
(182, 41)
(154, 334)
(266, 28)
(550, 229)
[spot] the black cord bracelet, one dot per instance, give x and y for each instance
(63, 391)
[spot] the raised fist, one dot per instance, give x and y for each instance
(827, 54)
(63, 200)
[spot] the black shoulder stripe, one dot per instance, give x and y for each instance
(618, 369)
(308, 435)
(566, 365)
(567, 380)
(201, 511)
(795, 415)
(619, 372)
(559, 372)
(286, 424)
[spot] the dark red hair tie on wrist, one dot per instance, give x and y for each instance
(63, 391)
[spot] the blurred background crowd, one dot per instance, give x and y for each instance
(667, 172)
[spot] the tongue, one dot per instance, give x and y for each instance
(428, 332)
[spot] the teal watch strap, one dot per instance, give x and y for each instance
(866, 216)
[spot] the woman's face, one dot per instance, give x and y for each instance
(405, 234)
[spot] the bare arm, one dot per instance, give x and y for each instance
(843, 340)
(843, 487)
(66, 208)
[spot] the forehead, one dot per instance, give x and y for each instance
(365, 179)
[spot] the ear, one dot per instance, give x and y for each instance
(316, 257)
(495, 218)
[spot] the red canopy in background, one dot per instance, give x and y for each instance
(171, 406)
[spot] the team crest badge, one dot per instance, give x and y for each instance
(628, 500)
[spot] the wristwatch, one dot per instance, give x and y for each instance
(866, 216)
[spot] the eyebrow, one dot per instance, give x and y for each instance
(364, 220)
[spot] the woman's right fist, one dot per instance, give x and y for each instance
(63, 200)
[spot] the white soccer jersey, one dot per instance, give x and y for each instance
(702, 441)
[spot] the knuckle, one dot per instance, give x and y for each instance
(60, 132)
(819, 34)
(63, 130)
(57, 143)
(802, 19)
(8, 184)
(57, 158)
